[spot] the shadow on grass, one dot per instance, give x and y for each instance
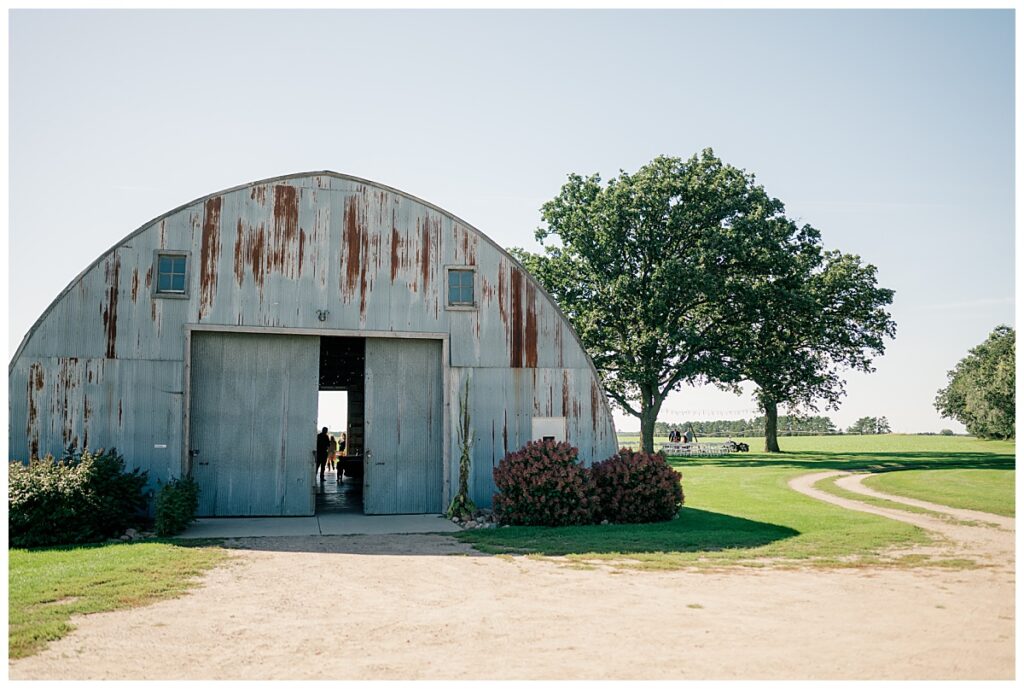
(859, 461)
(695, 531)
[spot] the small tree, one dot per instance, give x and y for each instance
(870, 425)
(826, 315)
(981, 388)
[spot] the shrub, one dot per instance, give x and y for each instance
(81, 498)
(543, 484)
(636, 487)
(176, 504)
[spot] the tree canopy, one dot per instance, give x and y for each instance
(828, 315)
(655, 269)
(870, 425)
(981, 388)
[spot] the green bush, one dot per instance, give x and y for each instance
(79, 499)
(176, 504)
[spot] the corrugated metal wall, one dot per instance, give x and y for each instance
(404, 425)
(104, 366)
(253, 423)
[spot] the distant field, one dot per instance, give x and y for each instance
(739, 508)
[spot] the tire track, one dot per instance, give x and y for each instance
(985, 543)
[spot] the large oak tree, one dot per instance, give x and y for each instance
(655, 269)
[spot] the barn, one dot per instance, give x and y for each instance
(201, 343)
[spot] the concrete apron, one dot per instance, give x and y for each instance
(345, 524)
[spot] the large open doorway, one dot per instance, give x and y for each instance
(340, 410)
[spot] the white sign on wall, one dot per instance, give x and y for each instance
(549, 427)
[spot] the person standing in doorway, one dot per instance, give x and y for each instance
(323, 446)
(332, 451)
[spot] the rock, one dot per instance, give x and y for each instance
(492, 525)
(675, 516)
(604, 522)
(131, 533)
(471, 524)
(126, 537)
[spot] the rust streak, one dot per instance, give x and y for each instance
(565, 393)
(302, 249)
(396, 244)
(135, 284)
(255, 252)
(352, 243)
(286, 226)
(210, 256)
(149, 278)
(530, 332)
(516, 352)
(504, 433)
(425, 254)
(259, 194)
(594, 401)
(502, 291)
(113, 278)
(239, 262)
(35, 384)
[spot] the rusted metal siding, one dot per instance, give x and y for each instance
(272, 254)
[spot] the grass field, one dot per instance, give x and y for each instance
(47, 586)
(987, 490)
(740, 510)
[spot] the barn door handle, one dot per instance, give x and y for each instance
(202, 464)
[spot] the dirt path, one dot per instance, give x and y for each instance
(986, 538)
(428, 607)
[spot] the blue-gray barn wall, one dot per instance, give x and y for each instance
(105, 365)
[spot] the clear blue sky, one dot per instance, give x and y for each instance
(890, 131)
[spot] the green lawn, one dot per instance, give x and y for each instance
(987, 490)
(48, 586)
(740, 510)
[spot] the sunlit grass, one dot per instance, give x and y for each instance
(47, 586)
(740, 510)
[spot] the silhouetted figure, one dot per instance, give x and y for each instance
(332, 451)
(323, 447)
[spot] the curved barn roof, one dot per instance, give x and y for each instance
(300, 175)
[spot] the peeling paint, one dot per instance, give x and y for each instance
(135, 284)
(113, 278)
(210, 256)
(353, 243)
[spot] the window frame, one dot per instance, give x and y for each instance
(461, 306)
(171, 253)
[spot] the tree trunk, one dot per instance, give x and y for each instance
(771, 427)
(649, 408)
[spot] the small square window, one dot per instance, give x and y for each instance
(460, 287)
(171, 274)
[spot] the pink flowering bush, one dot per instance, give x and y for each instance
(543, 484)
(636, 487)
